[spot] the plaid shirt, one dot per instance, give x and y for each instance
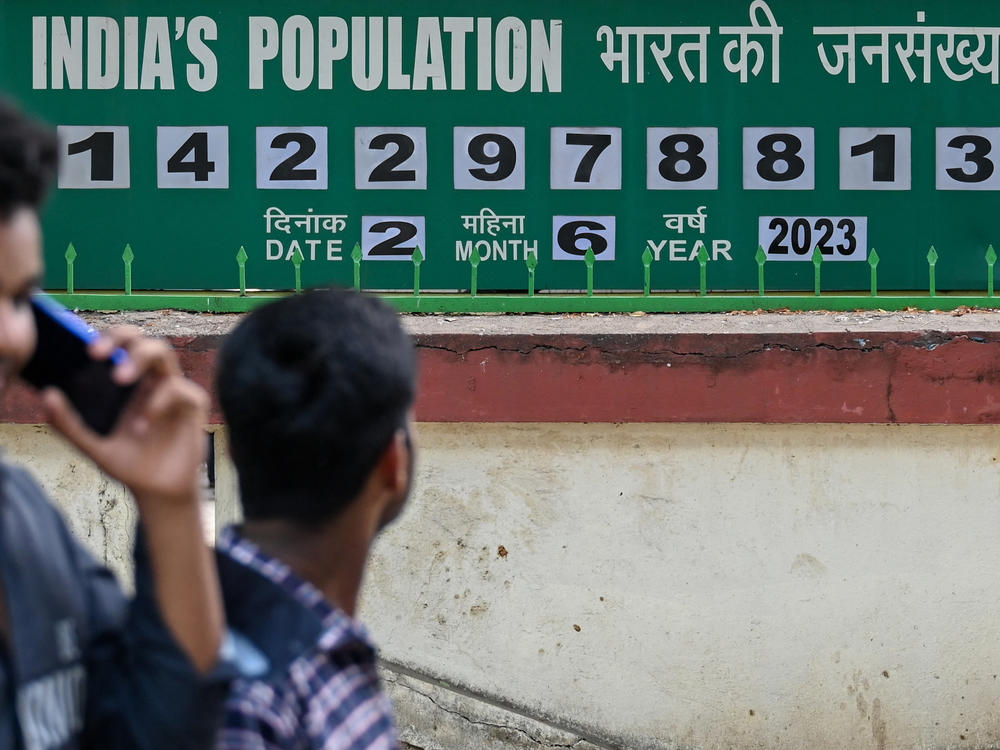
(326, 694)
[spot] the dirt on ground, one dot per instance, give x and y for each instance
(173, 323)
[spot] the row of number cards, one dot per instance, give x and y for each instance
(782, 237)
(494, 158)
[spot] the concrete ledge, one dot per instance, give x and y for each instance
(924, 368)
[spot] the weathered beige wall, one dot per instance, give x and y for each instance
(99, 511)
(735, 586)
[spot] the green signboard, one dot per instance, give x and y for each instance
(515, 129)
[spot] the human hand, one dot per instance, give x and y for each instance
(158, 444)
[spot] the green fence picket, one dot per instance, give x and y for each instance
(531, 262)
(297, 263)
(817, 261)
(702, 271)
(356, 260)
(991, 259)
(241, 261)
(589, 259)
(932, 259)
(647, 262)
(761, 258)
(70, 268)
(474, 261)
(418, 259)
(127, 257)
(873, 263)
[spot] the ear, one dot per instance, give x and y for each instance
(393, 467)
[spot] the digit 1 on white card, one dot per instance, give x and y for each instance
(778, 159)
(874, 158)
(93, 156)
(586, 158)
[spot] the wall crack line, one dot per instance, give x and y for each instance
(604, 743)
(477, 722)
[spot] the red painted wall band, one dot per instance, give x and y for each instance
(944, 378)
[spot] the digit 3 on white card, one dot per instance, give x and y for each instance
(682, 158)
(192, 157)
(292, 158)
(489, 158)
(93, 156)
(874, 158)
(586, 158)
(390, 158)
(572, 236)
(966, 158)
(392, 237)
(779, 159)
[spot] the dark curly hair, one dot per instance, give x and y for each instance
(28, 159)
(313, 388)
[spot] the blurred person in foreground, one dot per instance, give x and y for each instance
(317, 390)
(80, 665)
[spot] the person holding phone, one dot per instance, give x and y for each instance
(80, 665)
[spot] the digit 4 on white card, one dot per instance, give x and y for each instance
(192, 157)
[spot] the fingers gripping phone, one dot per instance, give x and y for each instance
(61, 360)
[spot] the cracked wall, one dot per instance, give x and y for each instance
(695, 586)
(98, 510)
(669, 586)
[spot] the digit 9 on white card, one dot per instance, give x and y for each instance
(489, 158)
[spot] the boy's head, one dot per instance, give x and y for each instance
(28, 157)
(315, 388)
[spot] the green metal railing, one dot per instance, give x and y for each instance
(703, 300)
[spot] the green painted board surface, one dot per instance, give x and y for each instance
(314, 126)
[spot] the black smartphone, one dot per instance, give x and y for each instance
(61, 359)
